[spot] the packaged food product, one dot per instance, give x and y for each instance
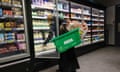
(1, 25)
(20, 37)
(1, 37)
(12, 47)
(22, 46)
(1, 13)
(18, 2)
(3, 50)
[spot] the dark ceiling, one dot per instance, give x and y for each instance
(106, 3)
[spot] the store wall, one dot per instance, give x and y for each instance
(110, 21)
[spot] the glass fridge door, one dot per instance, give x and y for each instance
(97, 25)
(41, 9)
(13, 31)
(41, 28)
(82, 14)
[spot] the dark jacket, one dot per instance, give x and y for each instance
(68, 60)
(53, 29)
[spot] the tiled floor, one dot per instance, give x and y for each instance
(102, 60)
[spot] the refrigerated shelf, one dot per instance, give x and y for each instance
(10, 5)
(13, 18)
(86, 14)
(45, 52)
(97, 30)
(41, 28)
(95, 15)
(62, 10)
(95, 41)
(41, 7)
(5, 42)
(38, 17)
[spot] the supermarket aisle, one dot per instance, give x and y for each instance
(102, 60)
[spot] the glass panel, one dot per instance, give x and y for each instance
(12, 29)
(81, 14)
(87, 18)
(97, 25)
(44, 28)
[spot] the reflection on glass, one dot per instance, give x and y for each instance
(43, 19)
(97, 25)
(12, 28)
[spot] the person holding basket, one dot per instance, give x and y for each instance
(68, 60)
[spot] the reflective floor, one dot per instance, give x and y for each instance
(102, 60)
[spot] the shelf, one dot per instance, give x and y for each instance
(89, 31)
(77, 18)
(5, 42)
(41, 28)
(5, 4)
(62, 10)
(86, 14)
(38, 17)
(95, 41)
(18, 17)
(89, 24)
(41, 7)
(15, 5)
(95, 15)
(83, 44)
(95, 20)
(38, 41)
(101, 20)
(101, 24)
(12, 29)
(97, 24)
(97, 35)
(76, 12)
(88, 36)
(45, 52)
(10, 5)
(101, 11)
(20, 40)
(86, 43)
(97, 30)
(85, 19)
(85, 39)
(66, 17)
(102, 16)
(9, 29)
(19, 29)
(4, 17)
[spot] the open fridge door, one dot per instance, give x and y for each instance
(41, 26)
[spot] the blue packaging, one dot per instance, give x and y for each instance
(1, 37)
(1, 12)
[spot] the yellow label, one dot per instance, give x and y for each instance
(1, 25)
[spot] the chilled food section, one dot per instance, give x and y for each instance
(75, 12)
(40, 10)
(97, 25)
(82, 14)
(12, 28)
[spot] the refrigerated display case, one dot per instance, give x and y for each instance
(97, 25)
(94, 18)
(41, 27)
(13, 31)
(68, 10)
(81, 13)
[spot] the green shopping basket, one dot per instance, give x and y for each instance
(67, 40)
